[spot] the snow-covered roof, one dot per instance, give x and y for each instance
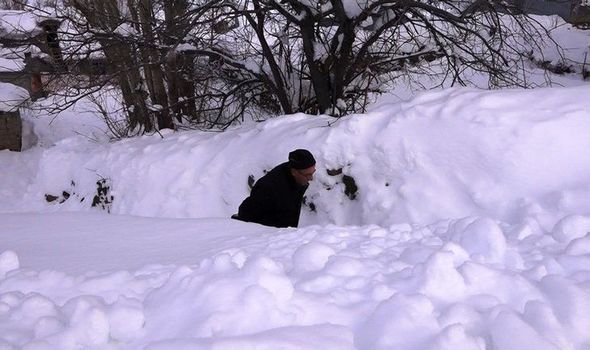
(11, 65)
(18, 24)
(11, 97)
(17, 28)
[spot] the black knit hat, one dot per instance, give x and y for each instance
(301, 159)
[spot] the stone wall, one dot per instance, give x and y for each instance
(10, 131)
(580, 15)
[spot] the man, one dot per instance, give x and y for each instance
(276, 197)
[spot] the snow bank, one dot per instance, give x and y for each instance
(473, 231)
(448, 154)
(458, 284)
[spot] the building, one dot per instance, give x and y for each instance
(11, 98)
(29, 47)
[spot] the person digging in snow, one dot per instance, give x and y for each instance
(276, 197)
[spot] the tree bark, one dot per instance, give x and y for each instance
(319, 73)
(153, 68)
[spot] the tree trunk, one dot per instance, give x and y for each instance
(153, 70)
(180, 95)
(277, 82)
(319, 74)
(341, 51)
(131, 83)
(105, 14)
(186, 86)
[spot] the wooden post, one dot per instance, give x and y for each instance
(10, 131)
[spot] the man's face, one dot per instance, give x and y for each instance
(303, 176)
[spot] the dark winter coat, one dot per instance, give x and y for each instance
(275, 199)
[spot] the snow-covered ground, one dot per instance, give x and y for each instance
(469, 229)
(461, 284)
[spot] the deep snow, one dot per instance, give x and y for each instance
(447, 154)
(470, 283)
(469, 228)
(472, 230)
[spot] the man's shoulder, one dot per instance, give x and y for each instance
(277, 172)
(275, 175)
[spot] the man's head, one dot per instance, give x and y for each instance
(302, 164)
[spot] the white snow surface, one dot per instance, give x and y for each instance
(469, 230)
(12, 97)
(18, 24)
(10, 65)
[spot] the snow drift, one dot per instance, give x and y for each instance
(448, 154)
(472, 214)
(467, 284)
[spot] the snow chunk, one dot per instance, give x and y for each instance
(510, 332)
(47, 326)
(571, 305)
(344, 266)
(441, 279)
(312, 256)
(484, 237)
(126, 319)
(11, 97)
(570, 228)
(8, 262)
(88, 322)
(34, 307)
(402, 322)
(462, 313)
(579, 246)
(215, 298)
(455, 337)
(271, 277)
(542, 318)
(508, 288)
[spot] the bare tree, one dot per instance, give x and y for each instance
(11, 5)
(136, 44)
(133, 44)
(212, 62)
(334, 53)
